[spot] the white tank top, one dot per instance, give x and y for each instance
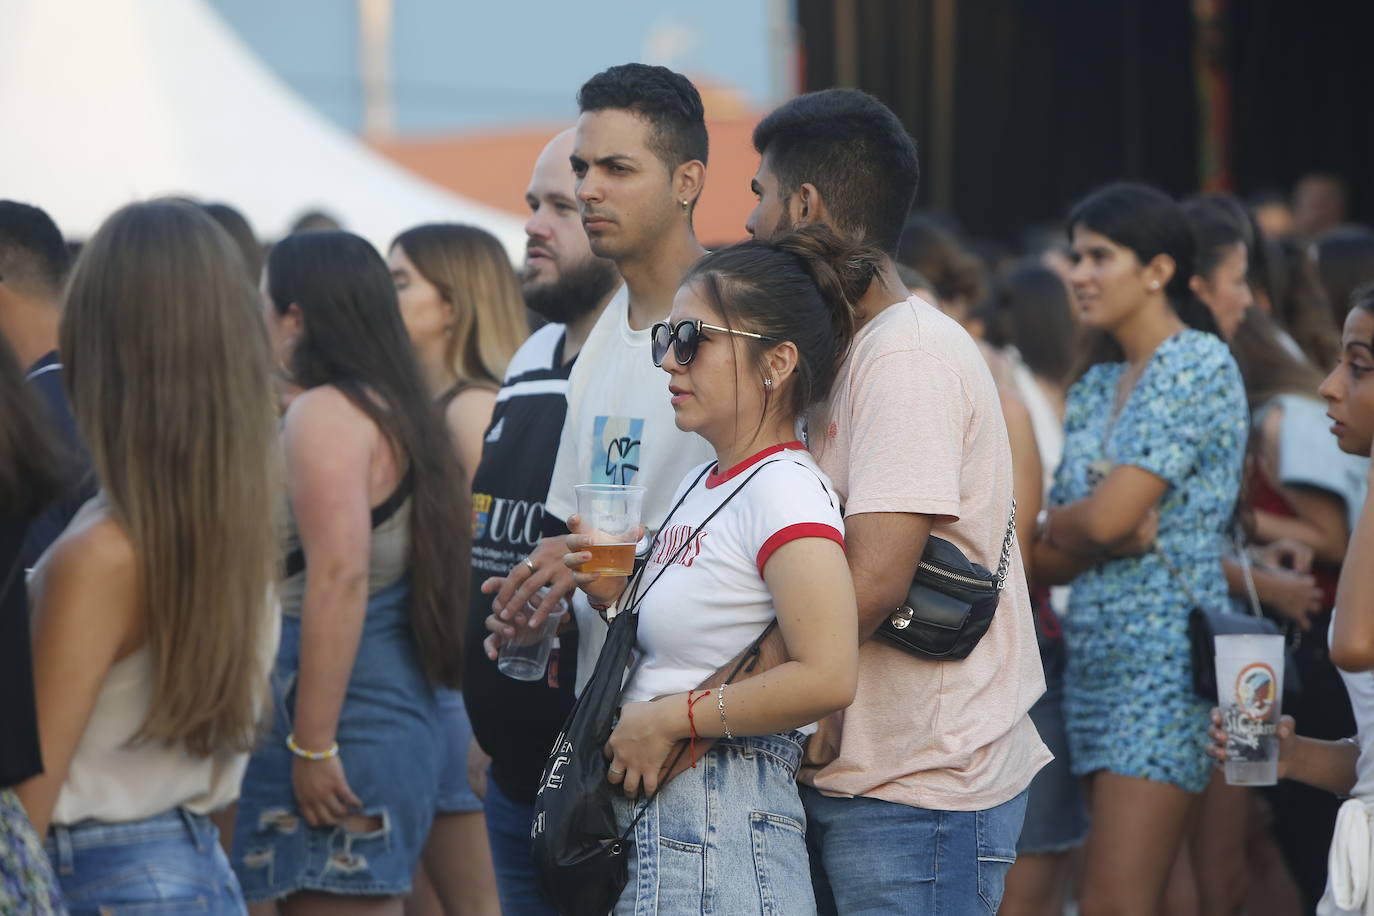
(112, 780)
(1360, 687)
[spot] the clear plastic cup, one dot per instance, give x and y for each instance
(1249, 691)
(610, 515)
(526, 654)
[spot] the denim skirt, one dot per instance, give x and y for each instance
(455, 791)
(168, 863)
(390, 743)
(728, 836)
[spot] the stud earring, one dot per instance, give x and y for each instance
(685, 205)
(1154, 284)
(768, 383)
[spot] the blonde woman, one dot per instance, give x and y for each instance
(153, 629)
(461, 304)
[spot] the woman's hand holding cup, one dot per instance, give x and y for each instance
(1287, 735)
(601, 590)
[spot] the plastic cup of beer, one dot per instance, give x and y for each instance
(610, 515)
(526, 654)
(1249, 689)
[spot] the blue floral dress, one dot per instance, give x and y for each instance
(1129, 700)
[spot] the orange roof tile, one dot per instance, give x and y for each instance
(494, 168)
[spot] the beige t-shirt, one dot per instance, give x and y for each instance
(914, 425)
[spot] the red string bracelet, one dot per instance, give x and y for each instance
(692, 723)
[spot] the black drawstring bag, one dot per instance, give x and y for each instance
(579, 853)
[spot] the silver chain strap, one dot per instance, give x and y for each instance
(1004, 565)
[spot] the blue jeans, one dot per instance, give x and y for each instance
(508, 833)
(726, 837)
(874, 856)
(168, 863)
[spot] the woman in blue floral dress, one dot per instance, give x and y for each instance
(1155, 435)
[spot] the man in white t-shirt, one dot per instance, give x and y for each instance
(639, 160)
(915, 794)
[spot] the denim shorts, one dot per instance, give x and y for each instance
(168, 863)
(875, 856)
(390, 743)
(726, 837)
(1056, 816)
(455, 791)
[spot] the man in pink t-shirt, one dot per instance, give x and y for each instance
(915, 794)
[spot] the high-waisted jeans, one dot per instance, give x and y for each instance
(726, 837)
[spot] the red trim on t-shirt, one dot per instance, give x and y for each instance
(796, 532)
(715, 478)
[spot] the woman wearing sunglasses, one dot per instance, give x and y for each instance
(755, 336)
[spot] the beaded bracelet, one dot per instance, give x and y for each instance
(301, 752)
(720, 703)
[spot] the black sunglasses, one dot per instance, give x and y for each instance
(684, 337)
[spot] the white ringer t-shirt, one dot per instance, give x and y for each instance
(712, 602)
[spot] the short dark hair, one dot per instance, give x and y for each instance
(666, 100)
(32, 251)
(857, 154)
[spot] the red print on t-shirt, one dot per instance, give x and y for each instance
(674, 538)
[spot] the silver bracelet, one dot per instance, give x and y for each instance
(720, 704)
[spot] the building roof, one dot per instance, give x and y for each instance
(494, 169)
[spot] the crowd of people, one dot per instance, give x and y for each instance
(268, 516)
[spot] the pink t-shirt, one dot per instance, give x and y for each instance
(914, 425)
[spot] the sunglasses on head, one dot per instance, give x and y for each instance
(684, 338)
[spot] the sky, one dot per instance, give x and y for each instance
(463, 65)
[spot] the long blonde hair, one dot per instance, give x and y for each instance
(167, 364)
(471, 271)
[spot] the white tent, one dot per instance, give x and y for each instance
(107, 101)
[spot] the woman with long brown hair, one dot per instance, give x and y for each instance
(376, 577)
(154, 627)
(462, 307)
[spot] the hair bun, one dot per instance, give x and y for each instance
(842, 270)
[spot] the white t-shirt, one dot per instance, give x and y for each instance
(711, 601)
(620, 428)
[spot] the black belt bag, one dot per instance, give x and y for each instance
(951, 602)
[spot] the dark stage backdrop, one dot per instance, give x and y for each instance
(1021, 106)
